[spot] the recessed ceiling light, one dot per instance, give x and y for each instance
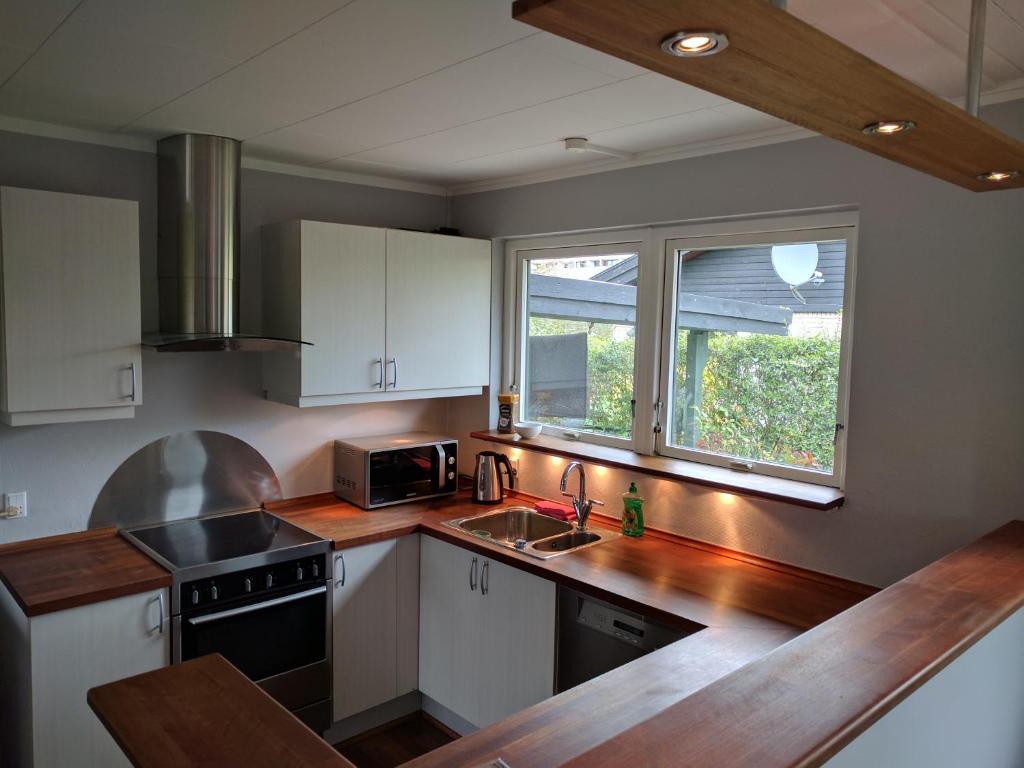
(889, 127)
(690, 44)
(998, 176)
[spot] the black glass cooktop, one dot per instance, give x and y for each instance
(204, 540)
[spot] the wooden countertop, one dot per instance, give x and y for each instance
(663, 576)
(206, 712)
(58, 572)
(749, 690)
(801, 704)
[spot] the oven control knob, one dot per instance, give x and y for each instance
(247, 585)
(270, 580)
(451, 459)
(316, 570)
(213, 591)
(195, 597)
(451, 475)
(298, 573)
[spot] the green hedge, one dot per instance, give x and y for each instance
(770, 398)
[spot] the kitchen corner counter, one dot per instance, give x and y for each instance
(59, 572)
(660, 575)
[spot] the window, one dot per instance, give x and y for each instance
(579, 334)
(739, 332)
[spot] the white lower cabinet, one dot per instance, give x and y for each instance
(51, 661)
(376, 603)
(487, 634)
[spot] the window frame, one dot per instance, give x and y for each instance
(654, 332)
(518, 254)
(672, 246)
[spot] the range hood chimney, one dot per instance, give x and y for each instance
(198, 248)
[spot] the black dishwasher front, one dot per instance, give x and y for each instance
(595, 637)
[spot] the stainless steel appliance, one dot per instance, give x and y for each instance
(198, 237)
(389, 469)
(487, 485)
(595, 637)
(253, 588)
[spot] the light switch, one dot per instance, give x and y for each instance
(16, 504)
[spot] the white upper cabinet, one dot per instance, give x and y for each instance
(438, 311)
(391, 314)
(70, 307)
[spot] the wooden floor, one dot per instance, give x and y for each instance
(396, 742)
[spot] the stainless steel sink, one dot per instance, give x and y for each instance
(511, 524)
(526, 530)
(567, 541)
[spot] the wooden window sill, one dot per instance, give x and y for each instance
(761, 486)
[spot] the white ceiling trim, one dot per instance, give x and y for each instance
(347, 177)
(1008, 92)
(663, 155)
(139, 144)
(67, 133)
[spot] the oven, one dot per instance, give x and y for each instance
(379, 471)
(273, 623)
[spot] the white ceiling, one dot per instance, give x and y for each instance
(448, 92)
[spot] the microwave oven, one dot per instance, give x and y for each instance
(374, 472)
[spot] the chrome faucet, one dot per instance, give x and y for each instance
(580, 503)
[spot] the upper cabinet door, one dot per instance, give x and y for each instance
(342, 301)
(71, 316)
(438, 311)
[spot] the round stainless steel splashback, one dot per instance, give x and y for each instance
(188, 474)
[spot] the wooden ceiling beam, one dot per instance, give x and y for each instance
(783, 66)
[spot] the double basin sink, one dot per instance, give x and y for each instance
(527, 531)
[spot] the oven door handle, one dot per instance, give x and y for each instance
(196, 621)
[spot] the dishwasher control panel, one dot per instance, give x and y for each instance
(621, 625)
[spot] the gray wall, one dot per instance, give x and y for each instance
(63, 467)
(936, 427)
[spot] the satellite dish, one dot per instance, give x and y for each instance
(795, 264)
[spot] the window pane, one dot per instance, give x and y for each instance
(581, 316)
(757, 352)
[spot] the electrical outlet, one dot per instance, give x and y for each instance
(515, 466)
(16, 504)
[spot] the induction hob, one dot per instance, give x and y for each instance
(201, 547)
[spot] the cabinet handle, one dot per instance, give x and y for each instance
(131, 367)
(380, 378)
(159, 628)
(485, 577)
(394, 382)
(472, 575)
(340, 556)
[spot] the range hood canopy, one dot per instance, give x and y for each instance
(198, 243)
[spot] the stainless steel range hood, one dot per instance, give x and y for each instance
(198, 243)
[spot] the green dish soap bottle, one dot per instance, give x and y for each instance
(632, 512)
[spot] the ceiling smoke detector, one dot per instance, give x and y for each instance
(579, 145)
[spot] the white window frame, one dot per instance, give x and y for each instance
(835, 477)
(518, 253)
(655, 337)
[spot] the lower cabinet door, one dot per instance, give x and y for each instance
(77, 649)
(450, 661)
(365, 631)
(487, 634)
(518, 622)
